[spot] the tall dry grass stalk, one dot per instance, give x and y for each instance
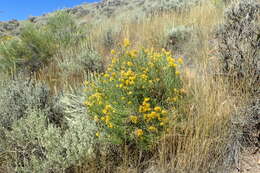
(198, 144)
(148, 31)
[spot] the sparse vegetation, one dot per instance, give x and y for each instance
(163, 87)
(36, 138)
(36, 45)
(19, 96)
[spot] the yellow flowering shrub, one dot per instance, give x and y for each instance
(138, 96)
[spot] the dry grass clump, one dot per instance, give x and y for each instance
(199, 144)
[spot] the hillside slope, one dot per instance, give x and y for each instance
(97, 12)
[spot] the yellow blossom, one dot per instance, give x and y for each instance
(87, 103)
(153, 115)
(113, 74)
(104, 111)
(110, 125)
(96, 118)
(133, 53)
(151, 64)
(86, 83)
(165, 119)
(126, 43)
(133, 119)
(180, 60)
(129, 63)
(164, 112)
(144, 76)
(157, 108)
(174, 99)
(152, 128)
(146, 99)
(106, 75)
(113, 52)
(145, 107)
(107, 119)
(171, 62)
(182, 90)
(139, 132)
(97, 134)
(114, 60)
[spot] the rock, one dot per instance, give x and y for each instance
(32, 19)
(78, 11)
(9, 26)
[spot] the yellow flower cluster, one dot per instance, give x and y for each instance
(113, 52)
(157, 114)
(133, 119)
(94, 98)
(132, 53)
(149, 114)
(171, 62)
(107, 112)
(139, 132)
(145, 107)
(6, 38)
(126, 43)
(127, 78)
(97, 99)
(152, 129)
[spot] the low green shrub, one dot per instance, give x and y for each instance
(65, 29)
(177, 36)
(36, 44)
(80, 59)
(18, 96)
(33, 144)
(137, 98)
